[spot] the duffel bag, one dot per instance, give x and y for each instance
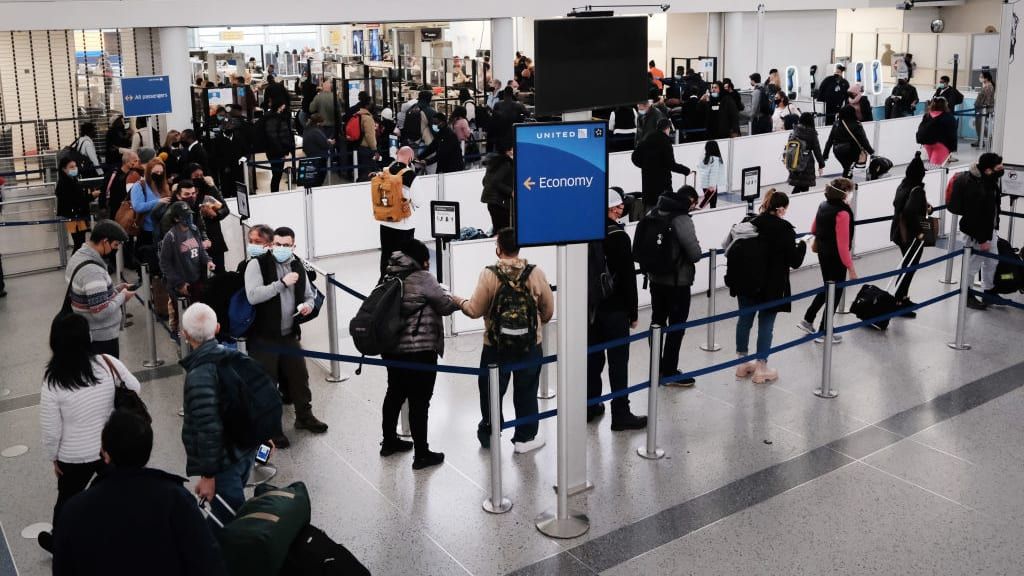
(257, 540)
(313, 553)
(1009, 277)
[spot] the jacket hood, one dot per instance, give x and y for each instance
(210, 351)
(512, 266)
(804, 131)
(399, 263)
(915, 170)
(739, 231)
(672, 202)
(132, 474)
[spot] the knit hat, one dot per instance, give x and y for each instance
(614, 197)
(989, 160)
(915, 170)
(146, 154)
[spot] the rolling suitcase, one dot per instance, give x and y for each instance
(1009, 278)
(313, 553)
(872, 301)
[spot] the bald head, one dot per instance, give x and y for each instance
(129, 159)
(405, 155)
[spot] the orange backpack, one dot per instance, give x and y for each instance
(389, 203)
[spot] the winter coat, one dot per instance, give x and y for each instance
(183, 260)
(939, 129)
(848, 140)
(498, 180)
(979, 216)
(657, 161)
(278, 135)
(807, 178)
(424, 302)
(211, 226)
(207, 449)
(910, 206)
(618, 253)
(832, 92)
(134, 517)
(686, 235)
(782, 252)
(446, 151)
(722, 117)
(647, 124)
(314, 142)
(72, 200)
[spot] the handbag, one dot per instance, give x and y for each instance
(126, 399)
(862, 159)
(930, 230)
(128, 218)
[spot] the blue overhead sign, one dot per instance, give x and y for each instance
(146, 95)
(561, 182)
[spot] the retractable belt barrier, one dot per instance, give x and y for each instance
(34, 222)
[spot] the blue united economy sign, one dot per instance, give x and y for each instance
(561, 182)
(146, 95)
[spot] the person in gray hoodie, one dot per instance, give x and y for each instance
(670, 293)
(424, 302)
(183, 259)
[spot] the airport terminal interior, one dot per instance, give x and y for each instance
(364, 177)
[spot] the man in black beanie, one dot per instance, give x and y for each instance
(975, 197)
(910, 208)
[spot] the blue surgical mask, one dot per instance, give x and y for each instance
(256, 250)
(714, 94)
(941, 86)
(435, 128)
(73, 173)
(282, 253)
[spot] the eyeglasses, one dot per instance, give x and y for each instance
(279, 245)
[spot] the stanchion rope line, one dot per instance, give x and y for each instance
(997, 299)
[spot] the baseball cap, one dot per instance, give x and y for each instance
(614, 197)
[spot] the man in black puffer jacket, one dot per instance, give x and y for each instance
(657, 161)
(975, 197)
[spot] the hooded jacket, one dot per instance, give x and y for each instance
(207, 450)
(980, 210)
(677, 207)
(910, 205)
(183, 260)
(657, 161)
(782, 253)
(424, 302)
(72, 200)
(807, 178)
(487, 288)
(498, 180)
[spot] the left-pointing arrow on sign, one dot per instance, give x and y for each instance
(528, 183)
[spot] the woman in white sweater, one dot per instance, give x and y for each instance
(713, 178)
(76, 400)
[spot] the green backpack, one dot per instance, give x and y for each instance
(513, 315)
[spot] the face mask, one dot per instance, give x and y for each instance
(642, 112)
(995, 175)
(256, 250)
(714, 94)
(851, 95)
(158, 178)
(127, 125)
(73, 173)
(940, 87)
(221, 117)
(282, 254)
(435, 128)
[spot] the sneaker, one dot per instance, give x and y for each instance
(391, 445)
(45, 540)
(975, 304)
(426, 460)
(310, 423)
(975, 145)
(684, 383)
(282, 442)
(628, 421)
(529, 445)
(806, 327)
(764, 374)
(992, 298)
(746, 370)
(594, 412)
(836, 339)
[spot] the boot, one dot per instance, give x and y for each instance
(628, 421)
(311, 423)
(764, 374)
(745, 370)
(595, 411)
(391, 445)
(427, 459)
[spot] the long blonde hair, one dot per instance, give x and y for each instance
(164, 189)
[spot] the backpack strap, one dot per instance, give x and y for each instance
(526, 274)
(71, 281)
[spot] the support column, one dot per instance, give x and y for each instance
(1010, 80)
(174, 63)
(715, 37)
(503, 49)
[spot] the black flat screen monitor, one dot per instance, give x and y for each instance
(590, 63)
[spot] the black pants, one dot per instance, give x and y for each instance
(108, 347)
(367, 164)
(276, 171)
(392, 239)
(416, 386)
(911, 256)
(285, 368)
(2, 285)
(74, 478)
(501, 217)
(799, 189)
(847, 158)
(609, 325)
(670, 305)
(217, 257)
(836, 272)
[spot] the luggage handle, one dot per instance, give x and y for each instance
(204, 506)
(913, 256)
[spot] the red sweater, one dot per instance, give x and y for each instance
(842, 237)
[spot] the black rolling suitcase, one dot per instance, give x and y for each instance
(872, 301)
(1009, 278)
(313, 553)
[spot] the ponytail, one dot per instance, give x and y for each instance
(773, 200)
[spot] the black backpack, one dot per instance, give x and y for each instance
(250, 403)
(314, 553)
(377, 326)
(600, 279)
(411, 130)
(513, 314)
(1009, 278)
(746, 266)
(655, 246)
(86, 169)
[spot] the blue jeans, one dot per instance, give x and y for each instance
(231, 486)
(524, 391)
(765, 329)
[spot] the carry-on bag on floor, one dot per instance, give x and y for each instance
(313, 553)
(256, 542)
(1009, 278)
(872, 301)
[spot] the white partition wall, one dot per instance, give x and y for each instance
(622, 172)
(281, 209)
(764, 150)
(803, 208)
(874, 200)
(897, 139)
(465, 188)
(692, 156)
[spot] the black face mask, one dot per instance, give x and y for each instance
(995, 175)
(158, 178)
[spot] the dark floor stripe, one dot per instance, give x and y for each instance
(19, 402)
(6, 559)
(145, 375)
(628, 542)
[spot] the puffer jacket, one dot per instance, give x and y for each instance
(807, 178)
(686, 235)
(207, 450)
(498, 180)
(424, 302)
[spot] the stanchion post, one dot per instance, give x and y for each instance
(650, 450)
(332, 330)
(183, 348)
(951, 247)
(965, 293)
(711, 345)
(147, 290)
(119, 276)
(826, 390)
(62, 244)
(1013, 208)
(243, 345)
(546, 392)
(497, 503)
(246, 175)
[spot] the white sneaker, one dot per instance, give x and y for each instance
(524, 447)
(806, 327)
(836, 339)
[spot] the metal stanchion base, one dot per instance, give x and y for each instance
(954, 346)
(153, 364)
(339, 378)
(657, 455)
(504, 506)
(712, 348)
(950, 282)
(547, 396)
(261, 474)
(577, 524)
(580, 489)
(830, 394)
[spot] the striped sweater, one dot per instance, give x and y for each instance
(72, 420)
(93, 295)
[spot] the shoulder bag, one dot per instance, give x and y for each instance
(126, 399)
(862, 160)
